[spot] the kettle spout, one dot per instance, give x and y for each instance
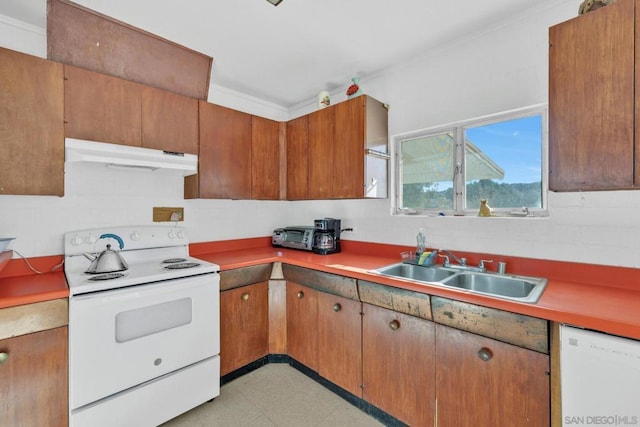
(89, 256)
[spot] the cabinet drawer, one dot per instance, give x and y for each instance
(326, 282)
(238, 277)
(400, 300)
(512, 328)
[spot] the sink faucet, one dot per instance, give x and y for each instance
(462, 262)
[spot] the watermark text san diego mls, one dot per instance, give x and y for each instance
(608, 420)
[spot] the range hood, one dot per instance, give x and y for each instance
(113, 155)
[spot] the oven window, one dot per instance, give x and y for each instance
(295, 236)
(152, 319)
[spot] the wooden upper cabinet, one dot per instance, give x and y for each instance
(591, 101)
(321, 153)
(224, 169)
(265, 159)
(31, 125)
(169, 121)
(349, 155)
(102, 108)
(338, 139)
(298, 158)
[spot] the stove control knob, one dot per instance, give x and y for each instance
(76, 241)
(180, 234)
(135, 236)
(172, 235)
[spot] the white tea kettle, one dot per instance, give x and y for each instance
(107, 261)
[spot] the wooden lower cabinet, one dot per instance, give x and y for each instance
(484, 382)
(398, 364)
(302, 324)
(340, 341)
(244, 326)
(34, 379)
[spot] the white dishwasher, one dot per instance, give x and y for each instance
(600, 378)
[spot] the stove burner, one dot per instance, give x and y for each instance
(173, 260)
(181, 265)
(106, 276)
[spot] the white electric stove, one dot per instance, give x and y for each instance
(144, 343)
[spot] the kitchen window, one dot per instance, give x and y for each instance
(450, 169)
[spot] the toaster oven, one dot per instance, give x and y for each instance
(296, 237)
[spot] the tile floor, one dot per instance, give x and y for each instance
(275, 395)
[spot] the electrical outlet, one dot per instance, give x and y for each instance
(168, 214)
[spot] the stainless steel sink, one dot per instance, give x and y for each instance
(526, 289)
(511, 287)
(416, 272)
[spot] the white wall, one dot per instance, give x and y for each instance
(500, 69)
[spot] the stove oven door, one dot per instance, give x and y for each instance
(122, 338)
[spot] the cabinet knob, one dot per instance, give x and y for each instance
(337, 307)
(3, 357)
(245, 296)
(485, 354)
(394, 325)
(300, 295)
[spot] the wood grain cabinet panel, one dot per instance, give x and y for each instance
(31, 125)
(398, 364)
(591, 101)
(102, 108)
(489, 382)
(302, 324)
(34, 380)
(169, 121)
(337, 139)
(321, 153)
(349, 155)
(340, 341)
(224, 169)
(244, 326)
(265, 159)
(298, 158)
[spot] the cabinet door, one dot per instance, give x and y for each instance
(265, 159)
(591, 100)
(348, 165)
(302, 324)
(321, 153)
(244, 326)
(224, 170)
(32, 125)
(298, 158)
(169, 121)
(340, 342)
(398, 364)
(489, 382)
(33, 380)
(102, 108)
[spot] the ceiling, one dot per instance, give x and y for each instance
(287, 54)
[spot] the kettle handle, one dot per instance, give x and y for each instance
(114, 236)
